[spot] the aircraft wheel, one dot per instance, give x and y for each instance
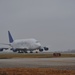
(20, 51)
(26, 52)
(36, 52)
(31, 52)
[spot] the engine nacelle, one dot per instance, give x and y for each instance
(1, 49)
(46, 48)
(40, 50)
(14, 50)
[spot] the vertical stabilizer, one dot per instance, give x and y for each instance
(10, 37)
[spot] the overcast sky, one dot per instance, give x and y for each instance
(52, 22)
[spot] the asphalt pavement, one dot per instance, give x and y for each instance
(60, 63)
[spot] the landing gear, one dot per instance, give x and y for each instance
(36, 52)
(25, 51)
(20, 51)
(31, 52)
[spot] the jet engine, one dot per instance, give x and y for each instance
(14, 50)
(40, 50)
(1, 49)
(46, 48)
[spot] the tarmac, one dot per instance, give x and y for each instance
(59, 63)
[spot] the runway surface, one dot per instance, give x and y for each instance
(60, 63)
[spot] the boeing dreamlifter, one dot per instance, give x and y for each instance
(23, 45)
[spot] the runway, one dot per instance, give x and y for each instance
(60, 63)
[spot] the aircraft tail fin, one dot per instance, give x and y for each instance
(10, 37)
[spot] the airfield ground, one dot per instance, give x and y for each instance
(34, 55)
(37, 64)
(35, 71)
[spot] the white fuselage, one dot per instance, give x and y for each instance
(29, 44)
(24, 45)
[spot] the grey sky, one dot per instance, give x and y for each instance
(52, 22)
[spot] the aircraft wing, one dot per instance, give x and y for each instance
(6, 44)
(14, 49)
(1, 49)
(22, 49)
(4, 48)
(43, 48)
(19, 50)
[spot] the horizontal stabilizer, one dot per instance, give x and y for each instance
(5, 44)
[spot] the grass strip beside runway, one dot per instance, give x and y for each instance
(8, 56)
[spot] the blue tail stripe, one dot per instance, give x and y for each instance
(10, 37)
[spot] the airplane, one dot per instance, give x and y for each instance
(24, 45)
